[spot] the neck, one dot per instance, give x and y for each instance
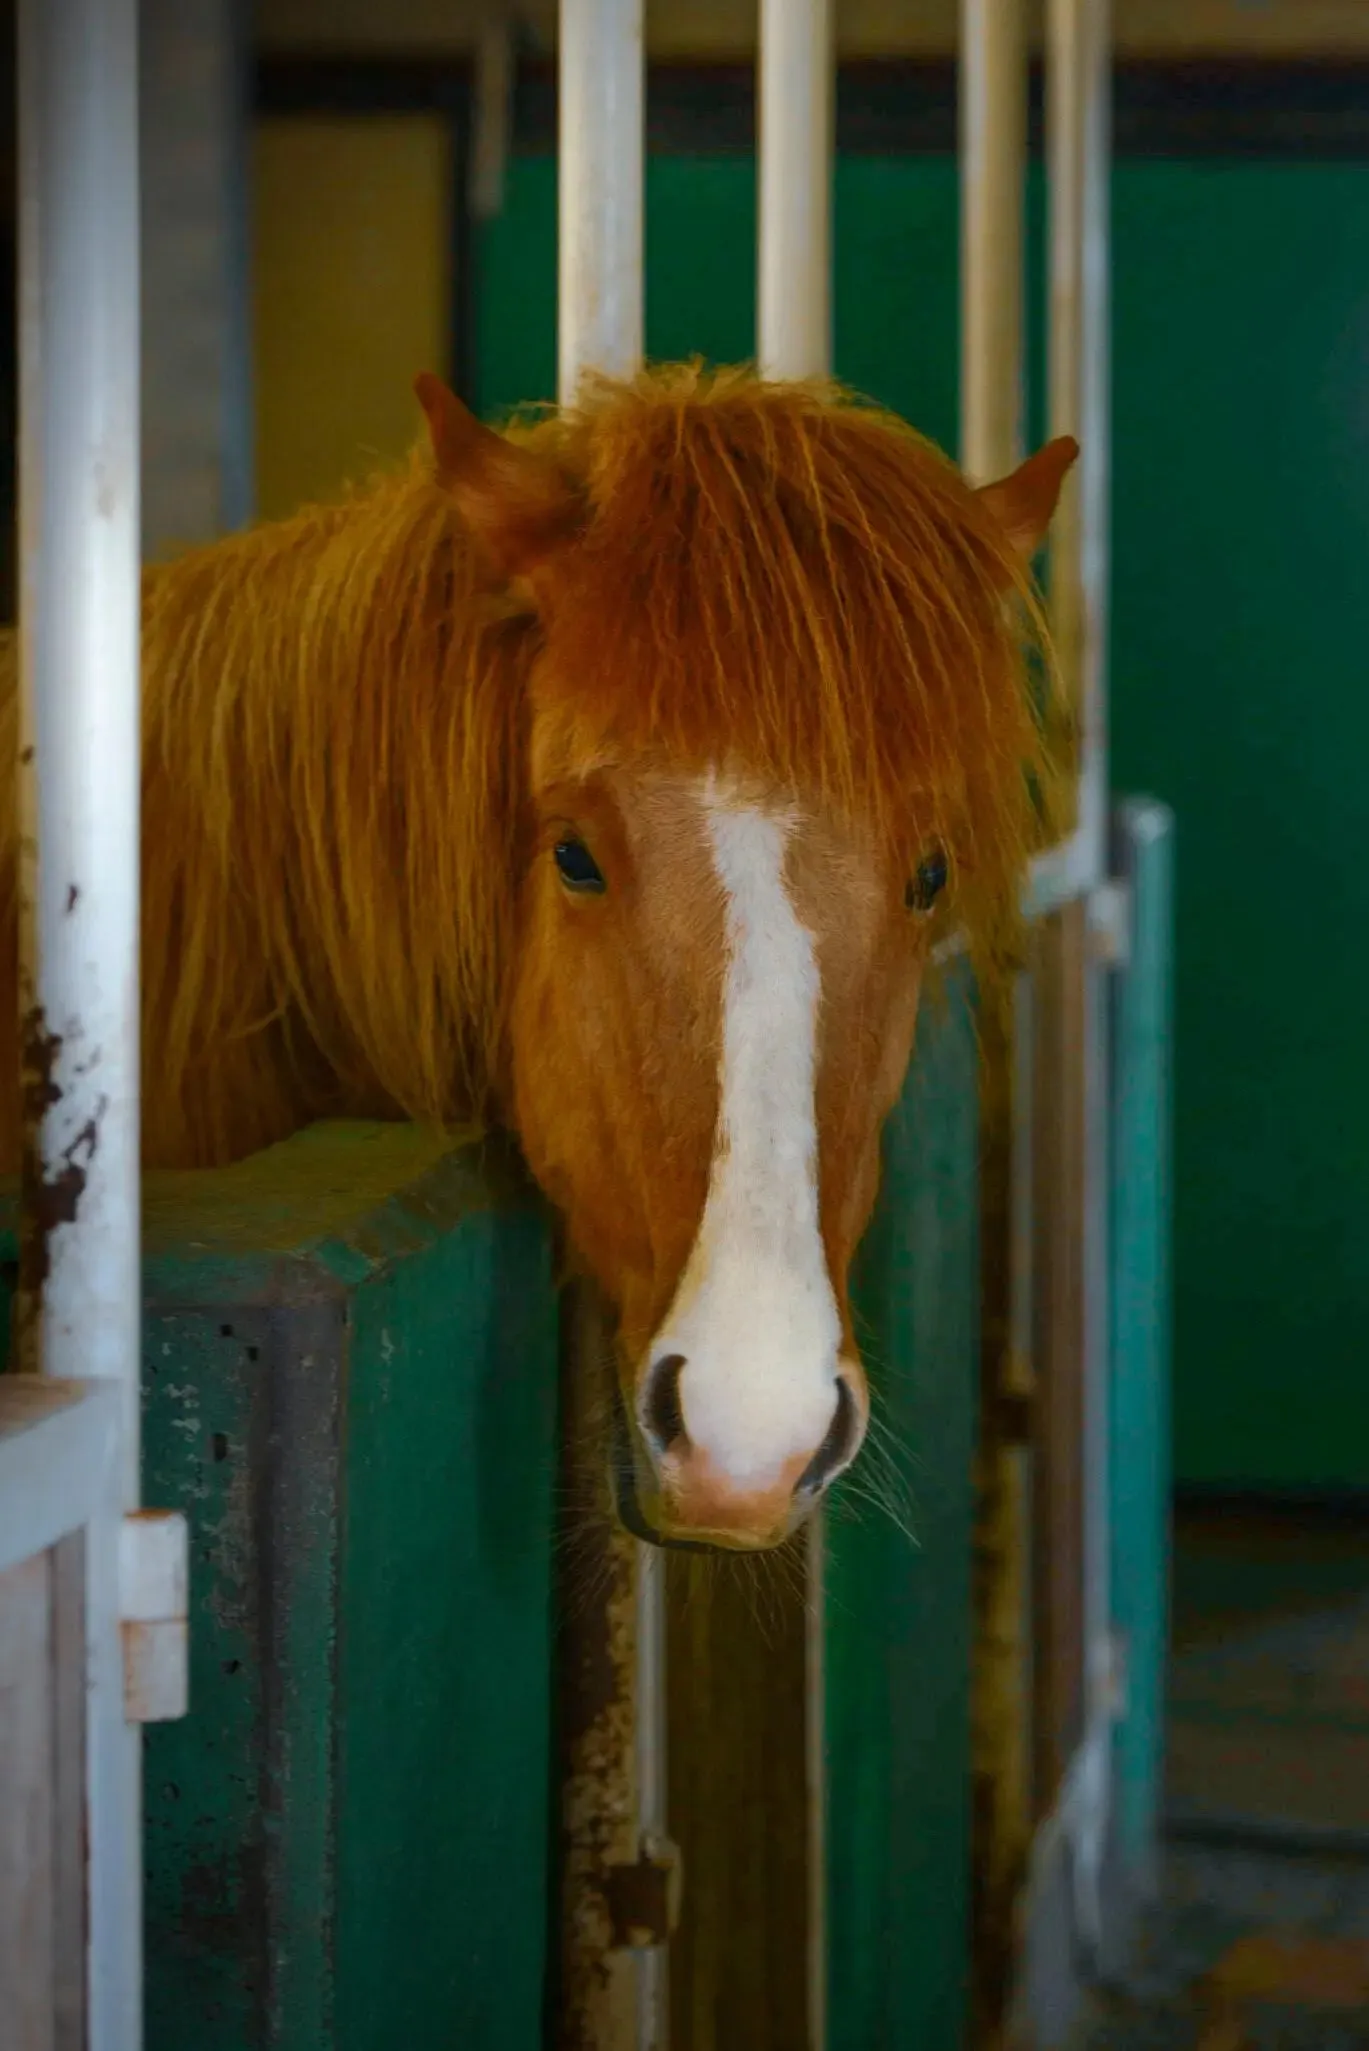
(333, 745)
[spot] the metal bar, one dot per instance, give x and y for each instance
(78, 796)
(653, 2015)
(795, 121)
(602, 144)
(993, 149)
(1078, 96)
(1095, 438)
(1078, 143)
(600, 328)
(992, 78)
(796, 102)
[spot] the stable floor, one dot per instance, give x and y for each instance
(1261, 1936)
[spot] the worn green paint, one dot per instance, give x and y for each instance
(1138, 1400)
(1241, 621)
(349, 1357)
(899, 1608)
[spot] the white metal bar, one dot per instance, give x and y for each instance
(1078, 98)
(600, 328)
(1078, 95)
(79, 790)
(600, 65)
(795, 106)
(796, 93)
(1078, 142)
(993, 143)
(79, 668)
(1095, 418)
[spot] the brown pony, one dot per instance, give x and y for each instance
(615, 778)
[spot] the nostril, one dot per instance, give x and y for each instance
(838, 1446)
(662, 1410)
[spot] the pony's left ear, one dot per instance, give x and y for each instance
(1024, 504)
(519, 507)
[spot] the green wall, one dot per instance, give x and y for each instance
(1240, 693)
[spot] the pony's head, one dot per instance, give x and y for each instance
(779, 739)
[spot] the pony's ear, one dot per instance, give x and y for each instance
(519, 507)
(1024, 504)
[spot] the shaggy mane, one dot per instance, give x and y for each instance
(774, 577)
(794, 579)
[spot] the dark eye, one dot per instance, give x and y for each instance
(928, 882)
(579, 870)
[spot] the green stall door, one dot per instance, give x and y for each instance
(349, 1370)
(1139, 1427)
(898, 1641)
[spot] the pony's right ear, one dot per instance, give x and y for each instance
(1024, 504)
(519, 507)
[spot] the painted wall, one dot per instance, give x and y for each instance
(352, 244)
(1240, 654)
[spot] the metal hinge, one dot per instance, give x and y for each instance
(644, 1899)
(1109, 922)
(154, 1615)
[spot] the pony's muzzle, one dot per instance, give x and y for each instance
(698, 1498)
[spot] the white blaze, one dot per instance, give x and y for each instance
(755, 1317)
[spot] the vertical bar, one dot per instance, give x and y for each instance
(1140, 1175)
(992, 73)
(795, 102)
(1094, 489)
(796, 94)
(1079, 150)
(78, 797)
(599, 282)
(597, 1999)
(1078, 140)
(1061, 1226)
(653, 2014)
(993, 141)
(600, 328)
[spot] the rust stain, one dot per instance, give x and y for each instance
(643, 1899)
(51, 1197)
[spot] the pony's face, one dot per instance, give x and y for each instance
(715, 976)
(712, 1014)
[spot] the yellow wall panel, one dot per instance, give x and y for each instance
(352, 248)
